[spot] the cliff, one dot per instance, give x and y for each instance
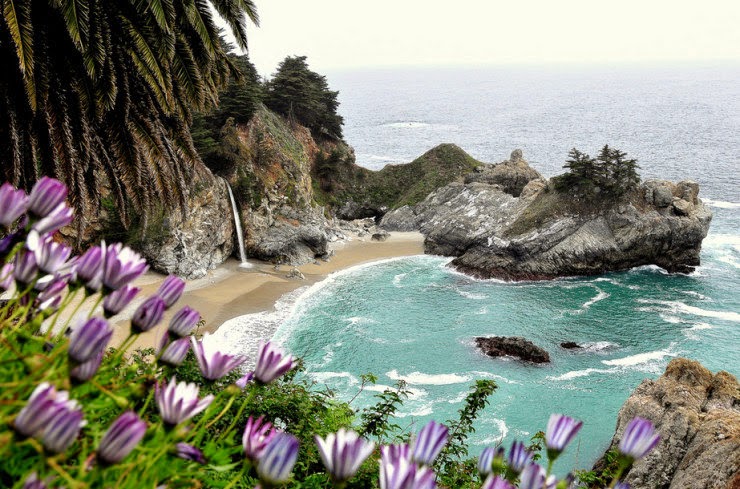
(499, 228)
(697, 414)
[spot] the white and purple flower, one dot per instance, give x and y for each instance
(46, 195)
(121, 265)
(117, 300)
(121, 438)
(639, 438)
(214, 364)
(179, 402)
(257, 434)
(561, 430)
(171, 290)
(89, 339)
(496, 482)
(343, 453)
(276, 462)
(519, 457)
(184, 321)
(429, 442)
(13, 204)
(272, 362)
(148, 314)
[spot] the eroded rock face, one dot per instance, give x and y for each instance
(512, 346)
(512, 174)
(698, 417)
(544, 234)
(273, 186)
(201, 240)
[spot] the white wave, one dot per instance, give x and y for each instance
(730, 260)
(496, 439)
(700, 326)
(359, 320)
(678, 307)
(574, 374)
(640, 358)
(459, 398)
(420, 378)
(397, 279)
(414, 393)
(323, 377)
(406, 124)
(482, 310)
(471, 295)
(721, 204)
(697, 295)
(722, 240)
(670, 319)
(599, 297)
(598, 345)
(424, 410)
(489, 375)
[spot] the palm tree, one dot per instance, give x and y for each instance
(99, 93)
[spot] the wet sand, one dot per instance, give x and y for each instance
(230, 291)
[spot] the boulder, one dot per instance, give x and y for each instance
(511, 175)
(381, 235)
(570, 345)
(697, 414)
(513, 346)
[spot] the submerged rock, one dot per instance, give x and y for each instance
(698, 417)
(513, 346)
(544, 234)
(570, 345)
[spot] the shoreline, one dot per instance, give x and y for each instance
(230, 291)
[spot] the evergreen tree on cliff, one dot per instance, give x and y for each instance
(303, 95)
(610, 173)
(101, 91)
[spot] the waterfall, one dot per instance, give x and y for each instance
(238, 224)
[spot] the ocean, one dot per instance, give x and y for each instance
(414, 319)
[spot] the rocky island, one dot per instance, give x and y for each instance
(505, 221)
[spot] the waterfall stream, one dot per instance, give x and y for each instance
(238, 224)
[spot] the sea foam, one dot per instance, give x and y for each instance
(420, 378)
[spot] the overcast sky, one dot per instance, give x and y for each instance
(337, 34)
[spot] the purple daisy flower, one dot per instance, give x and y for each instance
(276, 462)
(184, 321)
(533, 477)
(148, 314)
(257, 434)
(121, 438)
(121, 265)
(50, 256)
(46, 195)
(89, 339)
(13, 204)
(496, 482)
(179, 402)
(429, 442)
(174, 352)
(62, 429)
(214, 364)
(519, 457)
(272, 362)
(343, 453)
(58, 218)
(189, 452)
(6, 277)
(171, 290)
(87, 370)
(25, 268)
(116, 301)
(561, 430)
(88, 269)
(639, 438)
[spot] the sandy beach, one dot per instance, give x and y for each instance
(230, 291)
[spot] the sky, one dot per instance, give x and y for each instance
(348, 34)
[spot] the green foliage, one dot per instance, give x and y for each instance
(611, 173)
(302, 95)
(377, 421)
(609, 469)
(451, 462)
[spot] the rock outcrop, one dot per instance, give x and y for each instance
(511, 175)
(543, 233)
(512, 346)
(191, 244)
(273, 186)
(698, 417)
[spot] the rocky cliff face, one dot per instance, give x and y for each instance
(543, 234)
(274, 189)
(189, 245)
(698, 417)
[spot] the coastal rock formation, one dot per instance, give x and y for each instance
(544, 234)
(512, 346)
(272, 184)
(511, 175)
(191, 244)
(570, 345)
(698, 417)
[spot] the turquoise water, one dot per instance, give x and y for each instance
(414, 318)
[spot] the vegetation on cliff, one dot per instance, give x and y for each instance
(610, 174)
(339, 180)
